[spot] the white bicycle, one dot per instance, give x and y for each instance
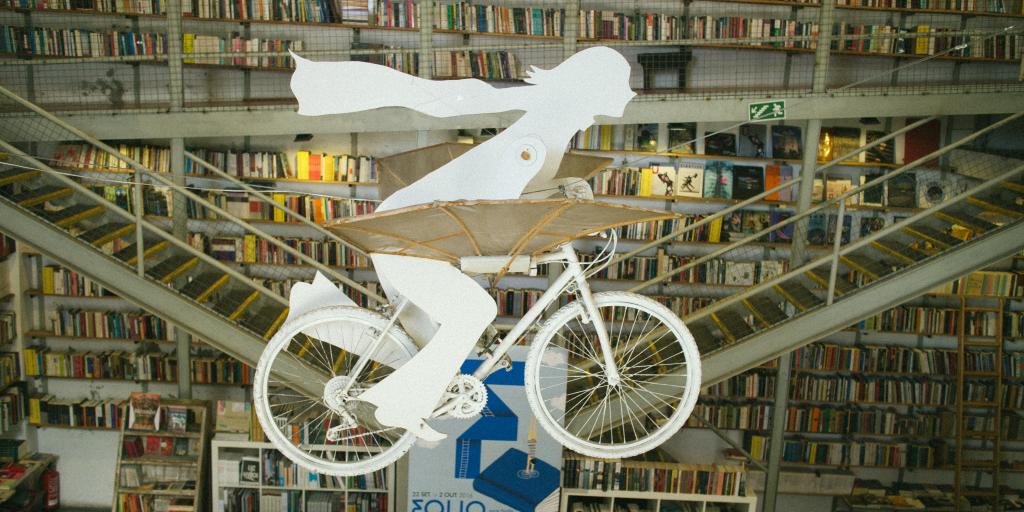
(610, 374)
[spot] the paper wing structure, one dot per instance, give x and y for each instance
(452, 230)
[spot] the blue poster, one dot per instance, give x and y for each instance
(500, 461)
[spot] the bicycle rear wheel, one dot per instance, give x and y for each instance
(658, 363)
(305, 390)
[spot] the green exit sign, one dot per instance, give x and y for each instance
(765, 110)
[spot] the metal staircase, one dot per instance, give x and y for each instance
(138, 256)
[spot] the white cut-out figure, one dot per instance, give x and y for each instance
(447, 310)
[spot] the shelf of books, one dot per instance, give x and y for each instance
(634, 485)
(160, 463)
(250, 475)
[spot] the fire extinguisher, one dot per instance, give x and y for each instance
(51, 484)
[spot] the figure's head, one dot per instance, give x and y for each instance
(596, 78)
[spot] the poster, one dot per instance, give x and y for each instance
(500, 461)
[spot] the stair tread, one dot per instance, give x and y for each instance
(128, 253)
(997, 204)
(71, 213)
(933, 235)
(765, 310)
(100, 233)
(703, 337)
(821, 277)
(169, 268)
(904, 252)
(968, 221)
(798, 295)
(39, 195)
(235, 302)
(872, 267)
(201, 286)
(8, 176)
(265, 320)
(732, 324)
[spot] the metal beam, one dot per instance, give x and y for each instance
(283, 120)
(870, 300)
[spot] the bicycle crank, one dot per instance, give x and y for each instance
(466, 396)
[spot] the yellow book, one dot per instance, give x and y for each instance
(278, 213)
(646, 175)
(34, 415)
(302, 165)
(327, 171)
(31, 366)
(47, 279)
(605, 133)
(188, 45)
(715, 230)
(921, 43)
(250, 249)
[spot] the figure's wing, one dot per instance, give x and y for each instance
(343, 87)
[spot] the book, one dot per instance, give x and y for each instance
(681, 138)
(901, 191)
(836, 141)
(836, 187)
(690, 179)
(869, 225)
(787, 142)
(921, 141)
(249, 470)
(883, 153)
(177, 418)
(143, 411)
(302, 165)
(233, 416)
(872, 196)
(752, 140)
(719, 144)
(747, 181)
(718, 179)
(663, 180)
(647, 137)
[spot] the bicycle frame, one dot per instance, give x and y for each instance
(573, 274)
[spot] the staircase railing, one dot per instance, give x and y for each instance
(58, 129)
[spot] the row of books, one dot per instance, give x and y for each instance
(46, 409)
(108, 324)
(283, 288)
(251, 249)
(887, 359)
(877, 390)
(987, 283)
(114, 364)
(850, 453)
(487, 65)
(220, 370)
(665, 477)
(751, 384)
(713, 272)
(12, 407)
(198, 43)
(739, 27)
(8, 327)
(58, 280)
(341, 167)
(913, 319)
(367, 503)
(161, 446)
(925, 40)
(753, 141)
(280, 471)
(314, 208)
(10, 368)
(469, 17)
(990, 6)
(244, 164)
(696, 179)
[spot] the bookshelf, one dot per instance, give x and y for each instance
(164, 468)
(597, 485)
(276, 484)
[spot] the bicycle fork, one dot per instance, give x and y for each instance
(592, 314)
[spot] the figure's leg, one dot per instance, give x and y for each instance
(462, 310)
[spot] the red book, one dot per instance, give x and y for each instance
(315, 167)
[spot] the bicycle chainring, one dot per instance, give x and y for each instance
(470, 396)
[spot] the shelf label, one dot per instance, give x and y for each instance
(765, 110)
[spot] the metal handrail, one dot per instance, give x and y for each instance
(136, 166)
(301, 218)
(827, 204)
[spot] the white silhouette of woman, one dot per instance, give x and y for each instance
(447, 308)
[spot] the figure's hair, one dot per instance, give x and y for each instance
(592, 65)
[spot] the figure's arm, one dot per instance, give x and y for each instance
(343, 87)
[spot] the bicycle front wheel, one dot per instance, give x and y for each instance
(657, 361)
(306, 390)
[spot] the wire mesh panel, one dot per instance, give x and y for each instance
(112, 55)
